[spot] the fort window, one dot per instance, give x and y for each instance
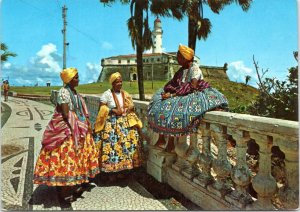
(128, 61)
(119, 61)
(134, 77)
(158, 59)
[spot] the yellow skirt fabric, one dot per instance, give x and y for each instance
(119, 145)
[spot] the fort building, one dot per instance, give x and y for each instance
(157, 65)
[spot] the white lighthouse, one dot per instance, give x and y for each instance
(157, 37)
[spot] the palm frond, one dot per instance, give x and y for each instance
(204, 29)
(217, 5)
(245, 4)
(3, 47)
(160, 8)
(5, 56)
(147, 36)
(132, 31)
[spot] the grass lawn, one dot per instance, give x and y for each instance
(237, 93)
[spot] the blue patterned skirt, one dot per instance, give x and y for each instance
(181, 115)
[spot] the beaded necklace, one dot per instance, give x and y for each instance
(77, 105)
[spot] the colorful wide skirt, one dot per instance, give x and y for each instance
(181, 115)
(66, 165)
(119, 145)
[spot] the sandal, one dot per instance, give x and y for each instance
(69, 199)
(78, 191)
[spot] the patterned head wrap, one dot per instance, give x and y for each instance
(186, 52)
(67, 74)
(113, 77)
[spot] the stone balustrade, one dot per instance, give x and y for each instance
(202, 169)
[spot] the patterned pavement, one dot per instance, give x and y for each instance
(22, 125)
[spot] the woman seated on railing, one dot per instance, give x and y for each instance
(116, 130)
(176, 109)
(68, 157)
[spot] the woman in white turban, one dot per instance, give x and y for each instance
(68, 157)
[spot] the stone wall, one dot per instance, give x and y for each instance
(161, 71)
(214, 72)
(215, 176)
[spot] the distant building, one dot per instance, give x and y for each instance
(157, 65)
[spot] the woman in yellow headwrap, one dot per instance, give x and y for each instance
(176, 109)
(116, 129)
(68, 157)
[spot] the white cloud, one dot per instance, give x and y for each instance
(91, 73)
(6, 65)
(42, 67)
(148, 51)
(237, 72)
(47, 58)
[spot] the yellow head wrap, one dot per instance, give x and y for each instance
(67, 74)
(186, 52)
(113, 77)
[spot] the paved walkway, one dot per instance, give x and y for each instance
(23, 124)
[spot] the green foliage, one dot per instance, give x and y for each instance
(247, 79)
(238, 94)
(278, 99)
(5, 54)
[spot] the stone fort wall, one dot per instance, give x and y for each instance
(162, 72)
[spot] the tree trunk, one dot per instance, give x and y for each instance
(192, 34)
(139, 47)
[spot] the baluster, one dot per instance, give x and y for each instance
(289, 194)
(221, 166)
(192, 156)
(181, 147)
(153, 137)
(205, 158)
(193, 150)
(240, 173)
(264, 183)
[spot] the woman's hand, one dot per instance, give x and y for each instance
(166, 95)
(129, 110)
(117, 112)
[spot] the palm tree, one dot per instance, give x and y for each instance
(200, 27)
(139, 30)
(6, 54)
(247, 79)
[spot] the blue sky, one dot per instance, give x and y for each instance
(32, 29)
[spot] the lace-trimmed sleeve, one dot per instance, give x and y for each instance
(196, 72)
(63, 96)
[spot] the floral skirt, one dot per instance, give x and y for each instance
(66, 166)
(119, 145)
(181, 115)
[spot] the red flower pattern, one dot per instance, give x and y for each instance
(65, 163)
